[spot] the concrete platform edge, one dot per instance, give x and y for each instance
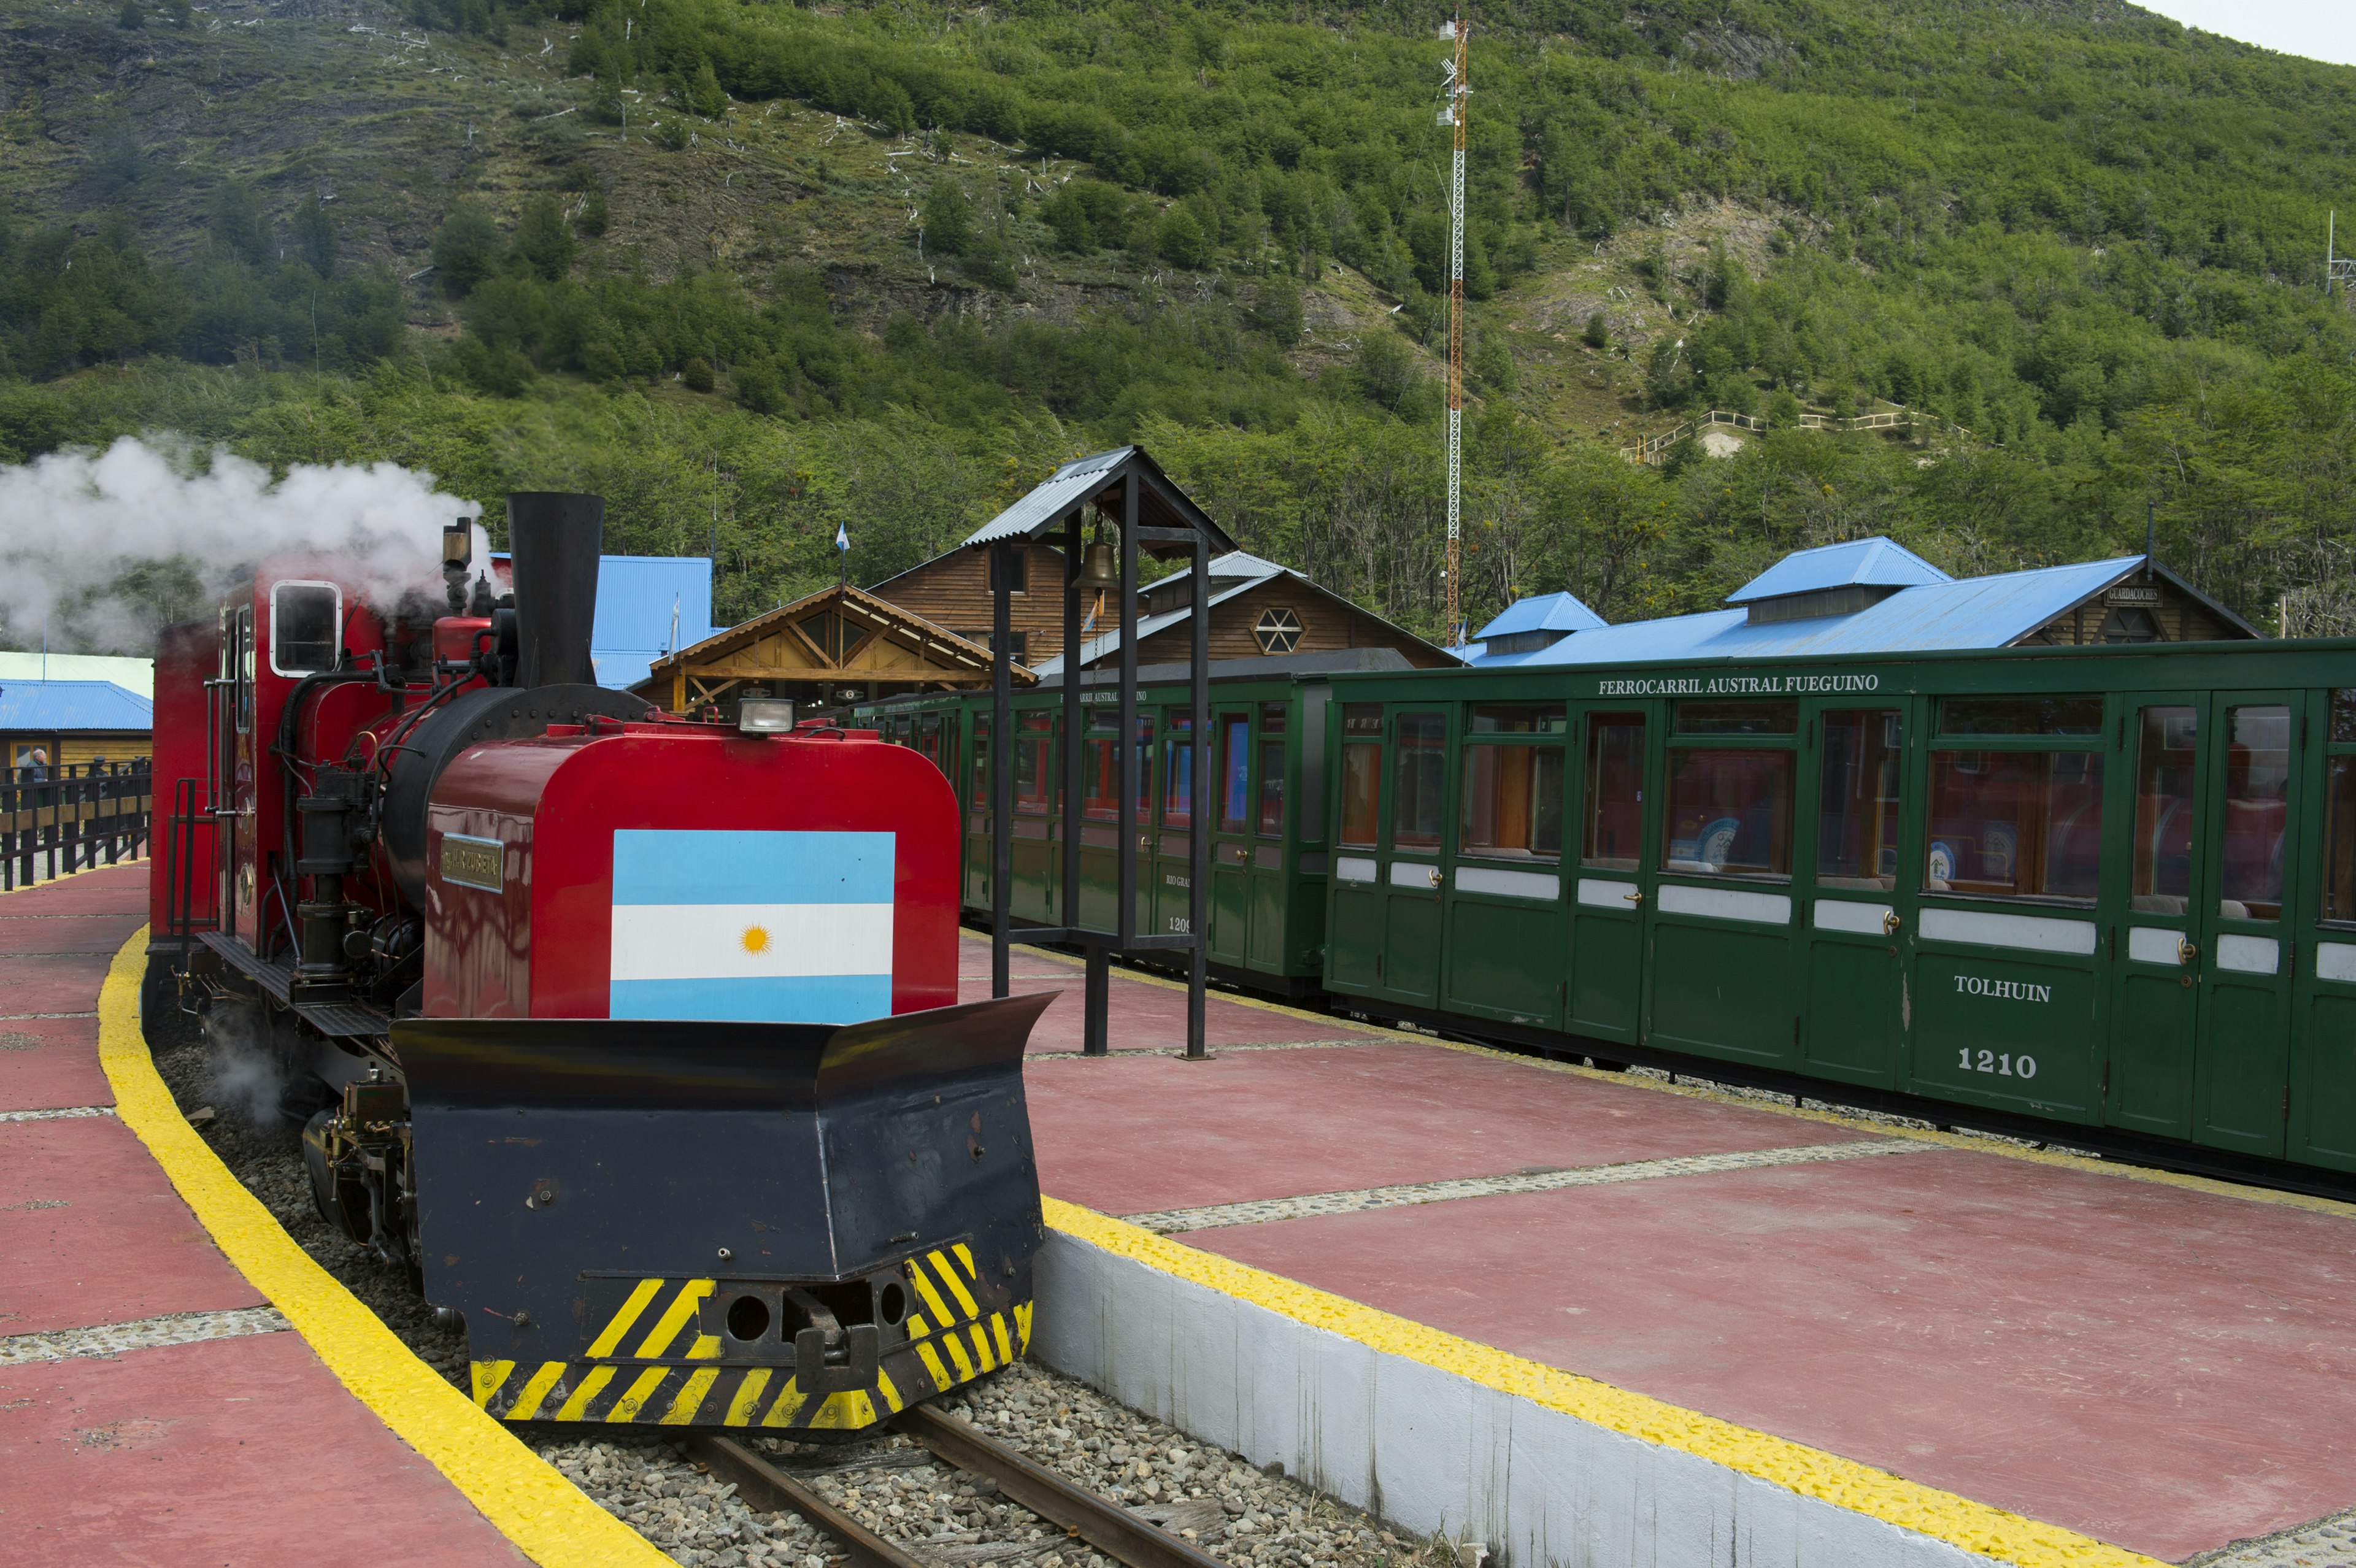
(548, 1519)
(1440, 1433)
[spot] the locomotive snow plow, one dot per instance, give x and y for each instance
(800, 1227)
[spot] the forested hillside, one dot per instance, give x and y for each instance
(754, 270)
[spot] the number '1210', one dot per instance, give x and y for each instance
(1997, 1062)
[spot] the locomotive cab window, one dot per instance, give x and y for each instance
(1729, 808)
(2022, 817)
(1510, 807)
(306, 627)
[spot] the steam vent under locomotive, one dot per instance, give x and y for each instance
(635, 1040)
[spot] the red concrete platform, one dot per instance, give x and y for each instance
(244, 1450)
(2160, 1366)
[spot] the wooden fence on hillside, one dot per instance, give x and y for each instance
(1650, 449)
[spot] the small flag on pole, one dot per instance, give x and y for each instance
(842, 536)
(842, 553)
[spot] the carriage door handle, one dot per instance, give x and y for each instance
(2187, 950)
(1434, 874)
(1890, 922)
(1635, 898)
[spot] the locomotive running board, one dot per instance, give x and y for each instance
(702, 1225)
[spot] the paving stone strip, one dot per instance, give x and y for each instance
(1215, 1051)
(1259, 1211)
(66, 1114)
(18, 1017)
(2328, 1542)
(147, 1334)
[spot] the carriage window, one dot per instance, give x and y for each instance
(1272, 770)
(1235, 772)
(1518, 718)
(1178, 773)
(1512, 803)
(2343, 715)
(1032, 743)
(1418, 777)
(979, 795)
(1101, 769)
(2340, 857)
(2258, 807)
(2015, 824)
(1738, 718)
(1362, 774)
(2020, 716)
(306, 627)
(2167, 758)
(1729, 813)
(1616, 792)
(1856, 819)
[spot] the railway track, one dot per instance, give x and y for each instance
(1078, 1512)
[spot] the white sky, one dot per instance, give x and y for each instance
(2319, 29)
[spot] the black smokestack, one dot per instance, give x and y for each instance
(555, 539)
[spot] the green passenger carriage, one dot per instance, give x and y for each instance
(1265, 816)
(2108, 888)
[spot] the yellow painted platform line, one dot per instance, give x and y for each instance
(547, 1517)
(1810, 1472)
(1964, 1141)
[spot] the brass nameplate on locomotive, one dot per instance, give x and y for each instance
(474, 862)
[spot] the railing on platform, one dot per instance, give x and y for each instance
(58, 820)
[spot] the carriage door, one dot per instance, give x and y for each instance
(1853, 1025)
(1614, 874)
(2201, 1037)
(2323, 1118)
(2242, 971)
(1230, 823)
(1412, 878)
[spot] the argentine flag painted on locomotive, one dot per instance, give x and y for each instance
(766, 926)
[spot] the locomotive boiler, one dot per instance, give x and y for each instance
(635, 1040)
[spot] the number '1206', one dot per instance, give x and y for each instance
(1996, 1063)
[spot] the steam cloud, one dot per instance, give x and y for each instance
(250, 1075)
(76, 527)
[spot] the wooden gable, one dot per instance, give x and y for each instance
(1288, 614)
(2157, 607)
(816, 647)
(953, 590)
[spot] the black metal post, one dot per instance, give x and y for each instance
(1198, 861)
(1002, 770)
(1130, 829)
(1093, 1039)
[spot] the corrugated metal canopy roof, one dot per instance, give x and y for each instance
(1160, 503)
(73, 705)
(1977, 613)
(1544, 613)
(1876, 561)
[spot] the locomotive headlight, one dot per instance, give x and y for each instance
(765, 716)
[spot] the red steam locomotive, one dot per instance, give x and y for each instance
(635, 1039)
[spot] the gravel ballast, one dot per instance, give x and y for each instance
(938, 1514)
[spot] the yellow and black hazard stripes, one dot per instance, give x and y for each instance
(650, 1362)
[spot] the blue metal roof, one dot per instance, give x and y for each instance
(39, 705)
(636, 596)
(1543, 613)
(1067, 487)
(1977, 613)
(1876, 561)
